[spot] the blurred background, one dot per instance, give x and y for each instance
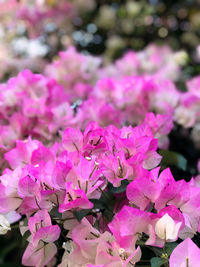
(32, 32)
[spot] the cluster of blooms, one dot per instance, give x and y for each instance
(31, 104)
(52, 185)
(158, 60)
(80, 180)
(82, 184)
(127, 90)
(25, 42)
(75, 71)
(43, 10)
(78, 74)
(188, 111)
(66, 176)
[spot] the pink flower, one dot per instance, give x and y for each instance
(40, 255)
(186, 254)
(21, 155)
(115, 168)
(126, 230)
(41, 248)
(28, 187)
(72, 140)
(9, 198)
(161, 125)
(74, 198)
(144, 189)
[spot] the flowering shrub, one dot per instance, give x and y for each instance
(81, 174)
(76, 187)
(99, 157)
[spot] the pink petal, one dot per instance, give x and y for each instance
(185, 254)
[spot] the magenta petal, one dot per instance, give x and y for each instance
(72, 139)
(27, 187)
(82, 203)
(39, 220)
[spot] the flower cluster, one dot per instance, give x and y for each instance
(51, 186)
(76, 72)
(86, 143)
(29, 105)
(158, 60)
(32, 31)
(43, 11)
(80, 166)
(66, 177)
(32, 104)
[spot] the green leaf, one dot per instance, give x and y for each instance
(54, 213)
(26, 235)
(96, 225)
(81, 214)
(121, 12)
(157, 262)
(108, 214)
(120, 189)
(169, 247)
(170, 158)
(25, 222)
(98, 203)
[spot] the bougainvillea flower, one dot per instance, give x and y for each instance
(186, 254)
(40, 255)
(167, 229)
(75, 198)
(126, 231)
(144, 189)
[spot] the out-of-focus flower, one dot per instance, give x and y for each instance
(106, 17)
(181, 58)
(133, 8)
(4, 225)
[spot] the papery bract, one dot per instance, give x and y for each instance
(167, 229)
(40, 255)
(185, 254)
